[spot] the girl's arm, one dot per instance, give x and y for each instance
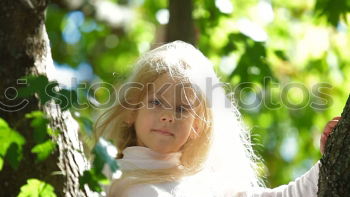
(304, 186)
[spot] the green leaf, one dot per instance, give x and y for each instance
(53, 132)
(36, 84)
(333, 10)
(39, 124)
(93, 179)
(66, 98)
(238, 37)
(280, 54)
(102, 157)
(252, 65)
(43, 150)
(1, 162)
(35, 114)
(14, 155)
(11, 143)
(3, 124)
(36, 188)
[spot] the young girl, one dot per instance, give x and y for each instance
(178, 134)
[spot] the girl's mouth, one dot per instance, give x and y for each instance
(163, 132)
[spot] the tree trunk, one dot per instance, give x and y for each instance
(25, 50)
(334, 177)
(181, 25)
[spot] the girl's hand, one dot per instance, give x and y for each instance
(326, 131)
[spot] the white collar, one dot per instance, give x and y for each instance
(139, 157)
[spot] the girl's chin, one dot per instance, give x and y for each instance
(163, 150)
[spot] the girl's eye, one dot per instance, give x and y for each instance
(155, 102)
(181, 109)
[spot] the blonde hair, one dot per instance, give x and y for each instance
(222, 149)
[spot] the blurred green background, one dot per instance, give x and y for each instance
(286, 61)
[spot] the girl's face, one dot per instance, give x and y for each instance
(165, 122)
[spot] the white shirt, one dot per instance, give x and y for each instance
(138, 157)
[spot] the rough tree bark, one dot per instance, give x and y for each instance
(25, 50)
(181, 25)
(334, 177)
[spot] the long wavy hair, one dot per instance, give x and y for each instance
(221, 153)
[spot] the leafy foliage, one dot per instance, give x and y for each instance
(36, 188)
(43, 150)
(102, 156)
(48, 90)
(333, 10)
(36, 84)
(42, 135)
(94, 177)
(252, 65)
(39, 123)
(11, 145)
(12, 141)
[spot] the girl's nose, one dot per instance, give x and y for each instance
(167, 117)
